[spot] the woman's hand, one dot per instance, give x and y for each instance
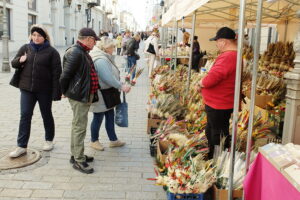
(23, 58)
(125, 88)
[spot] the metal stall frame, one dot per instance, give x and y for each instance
(238, 81)
(273, 15)
(191, 52)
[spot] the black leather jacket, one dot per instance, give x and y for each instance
(75, 80)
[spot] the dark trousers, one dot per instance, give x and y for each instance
(109, 125)
(28, 101)
(217, 126)
(118, 51)
(131, 62)
(195, 62)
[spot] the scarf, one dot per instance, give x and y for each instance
(39, 47)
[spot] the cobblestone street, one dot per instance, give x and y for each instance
(120, 173)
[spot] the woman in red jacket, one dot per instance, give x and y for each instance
(218, 89)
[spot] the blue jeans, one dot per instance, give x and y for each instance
(131, 62)
(109, 125)
(28, 101)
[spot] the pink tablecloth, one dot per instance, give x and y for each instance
(265, 182)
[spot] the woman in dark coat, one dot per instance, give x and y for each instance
(196, 56)
(40, 67)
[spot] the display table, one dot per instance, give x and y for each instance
(265, 182)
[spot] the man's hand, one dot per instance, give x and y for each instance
(199, 86)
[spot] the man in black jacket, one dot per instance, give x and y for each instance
(79, 82)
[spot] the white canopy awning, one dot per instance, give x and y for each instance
(209, 11)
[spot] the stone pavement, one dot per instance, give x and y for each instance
(120, 173)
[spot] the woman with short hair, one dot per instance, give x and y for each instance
(109, 77)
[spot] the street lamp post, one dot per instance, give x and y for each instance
(5, 37)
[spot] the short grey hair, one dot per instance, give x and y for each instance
(105, 43)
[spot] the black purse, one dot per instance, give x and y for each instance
(15, 80)
(151, 49)
(111, 97)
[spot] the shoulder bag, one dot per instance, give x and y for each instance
(111, 97)
(151, 48)
(15, 80)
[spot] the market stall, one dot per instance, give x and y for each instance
(225, 12)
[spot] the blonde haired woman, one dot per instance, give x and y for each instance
(109, 77)
(153, 57)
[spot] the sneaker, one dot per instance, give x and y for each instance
(96, 145)
(83, 167)
(19, 151)
(87, 159)
(48, 146)
(116, 143)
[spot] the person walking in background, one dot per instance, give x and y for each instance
(110, 35)
(109, 77)
(119, 44)
(79, 82)
(38, 82)
(151, 48)
(217, 89)
(132, 56)
(126, 37)
(196, 56)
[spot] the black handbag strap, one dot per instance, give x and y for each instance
(124, 97)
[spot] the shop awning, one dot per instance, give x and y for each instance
(211, 11)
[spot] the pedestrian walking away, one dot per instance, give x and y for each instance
(79, 82)
(38, 68)
(217, 89)
(119, 44)
(132, 55)
(109, 79)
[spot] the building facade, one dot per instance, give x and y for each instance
(127, 22)
(62, 18)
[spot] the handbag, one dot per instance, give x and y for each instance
(151, 49)
(15, 80)
(137, 56)
(121, 117)
(111, 97)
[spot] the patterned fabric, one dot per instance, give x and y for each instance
(94, 77)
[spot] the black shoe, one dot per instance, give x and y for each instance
(87, 159)
(83, 167)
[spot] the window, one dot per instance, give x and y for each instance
(7, 20)
(31, 21)
(32, 4)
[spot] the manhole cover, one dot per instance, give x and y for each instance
(29, 158)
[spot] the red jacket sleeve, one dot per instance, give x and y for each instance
(218, 72)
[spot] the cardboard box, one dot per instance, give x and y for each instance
(162, 147)
(153, 123)
(220, 194)
(260, 100)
